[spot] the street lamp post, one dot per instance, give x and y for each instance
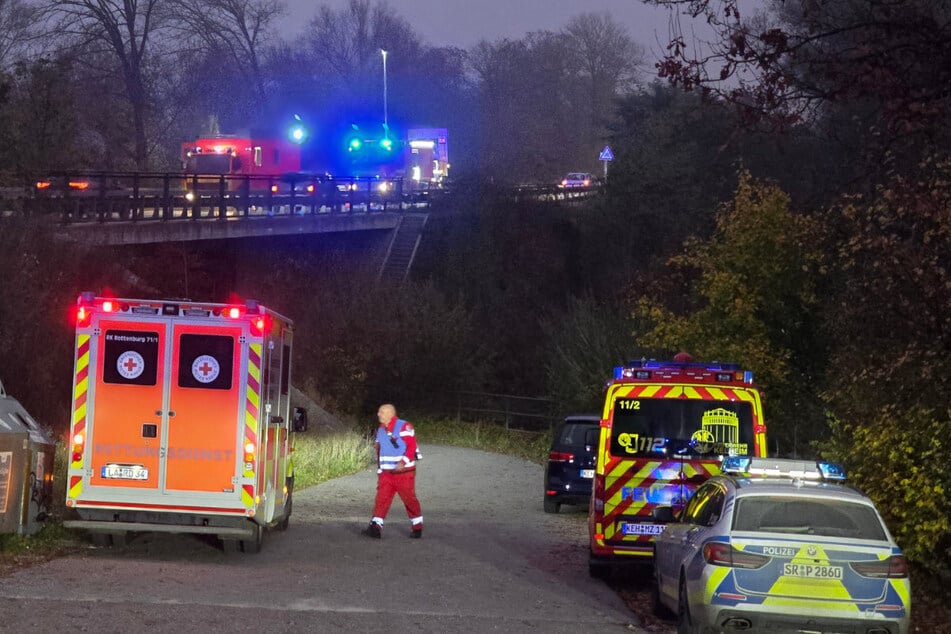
(385, 119)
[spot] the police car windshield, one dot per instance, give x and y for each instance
(807, 516)
(681, 428)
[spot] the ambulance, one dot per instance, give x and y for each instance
(666, 426)
(181, 420)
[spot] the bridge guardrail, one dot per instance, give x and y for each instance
(138, 196)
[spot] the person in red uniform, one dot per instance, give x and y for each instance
(396, 452)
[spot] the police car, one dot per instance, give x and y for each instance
(781, 545)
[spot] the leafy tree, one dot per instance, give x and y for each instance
(795, 61)
(748, 295)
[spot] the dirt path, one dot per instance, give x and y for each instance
(490, 560)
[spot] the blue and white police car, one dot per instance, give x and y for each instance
(781, 545)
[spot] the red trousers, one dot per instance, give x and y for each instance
(402, 484)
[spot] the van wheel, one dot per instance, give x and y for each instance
(598, 569)
(551, 506)
(253, 545)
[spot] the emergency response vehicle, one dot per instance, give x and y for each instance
(229, 164)
(778, 545)
(665, 428)
(181, 420)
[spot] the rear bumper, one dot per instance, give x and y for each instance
(752, 620)
(97, 526)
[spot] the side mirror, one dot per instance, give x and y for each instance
(663, 514)
(300, 419)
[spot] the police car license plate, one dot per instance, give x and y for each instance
(641, 528)
(812, 571)
(587, 473)
(125, 472)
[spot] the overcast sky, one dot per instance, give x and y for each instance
(463, 23)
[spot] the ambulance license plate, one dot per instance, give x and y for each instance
(125, 472)
(587, 473)
(641, 528)
(812, 571)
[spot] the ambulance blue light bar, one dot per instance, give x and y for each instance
(645, 369)
(783, 468)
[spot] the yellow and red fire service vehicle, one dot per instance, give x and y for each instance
(665, 428)
(180, 420)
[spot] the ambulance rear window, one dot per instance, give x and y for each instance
(681, 427)
(206, 361)
(130, 357)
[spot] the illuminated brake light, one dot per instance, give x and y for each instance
(43, 184)
(108, 306)
(80, 185)
(561, 456)
(895, 567)
(720, 554)
(83, 316)
(233, 313)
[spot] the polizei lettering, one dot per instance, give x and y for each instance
(117, 451)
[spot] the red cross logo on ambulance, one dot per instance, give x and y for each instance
(205, 368)
(130, 365)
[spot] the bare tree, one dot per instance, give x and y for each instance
(17, 30)
(237, 29)
(120, 32)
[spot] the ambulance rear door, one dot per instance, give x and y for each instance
(205, 397)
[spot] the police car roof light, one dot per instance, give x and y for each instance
(784, 468)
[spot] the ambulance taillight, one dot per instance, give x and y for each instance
(109, 306)
(249, 452)
(233, 312)
(79, 441)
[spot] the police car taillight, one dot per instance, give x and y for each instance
(895, 567)
(720, 554)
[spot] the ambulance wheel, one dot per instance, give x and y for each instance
(551, 506)
(288, 507)
(253, 545)
(230, 545)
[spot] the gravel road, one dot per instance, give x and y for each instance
(490, 560)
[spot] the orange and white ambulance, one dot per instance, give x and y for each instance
(181, 420)
(665, 428)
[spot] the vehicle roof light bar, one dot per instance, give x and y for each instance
(784, 468)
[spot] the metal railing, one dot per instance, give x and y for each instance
(523, 413)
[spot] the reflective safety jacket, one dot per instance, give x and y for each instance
(396, 445)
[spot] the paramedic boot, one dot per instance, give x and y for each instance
(373, 530)
(416, 533)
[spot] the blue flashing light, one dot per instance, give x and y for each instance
(748, 376)
(736, 464)
(618, 372)
(832, 471)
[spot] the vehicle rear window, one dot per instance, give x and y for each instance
(576, 433)
(807, 516)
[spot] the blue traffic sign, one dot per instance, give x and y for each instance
(606, 154)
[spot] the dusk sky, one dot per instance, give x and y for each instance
(464, 22)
